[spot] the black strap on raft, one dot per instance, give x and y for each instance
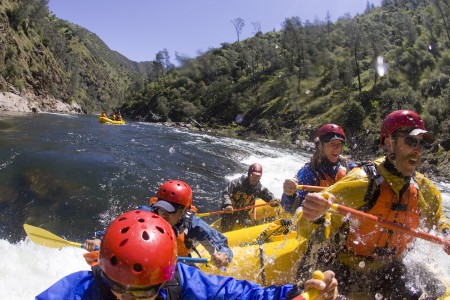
(172, 286)
(102, 289)
(183, 226)
(261, 261)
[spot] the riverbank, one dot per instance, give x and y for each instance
(36, 104)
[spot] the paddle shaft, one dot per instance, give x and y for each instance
(312, 188)
(188, 259)
(47, 239)
(343, 210)
(234, 210)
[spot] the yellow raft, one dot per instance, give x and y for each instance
(276, 259)
(272, 261)
(106, 120)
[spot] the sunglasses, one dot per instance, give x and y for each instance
(414, 142)
(137, 292)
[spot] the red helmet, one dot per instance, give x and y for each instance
(404, 119)
(139, 249)
(175, 191)
(329, 132)
(255, 169)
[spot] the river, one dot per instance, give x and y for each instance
(71, 175)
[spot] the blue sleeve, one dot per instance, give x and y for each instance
(197, 285)
(210, 238)
(288, 201)
(350, 166)
(78, 285)
(304, 176)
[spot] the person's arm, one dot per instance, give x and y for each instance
(349, 191)
(263, 193)
(213, 241)
(198, 285)
(430, 201)
(93, 244)
(227, 195)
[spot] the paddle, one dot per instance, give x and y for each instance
(237, 209)
(312, 293)
(312, 188)
(343, 210)
(47, 239)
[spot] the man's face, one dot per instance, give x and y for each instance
(254, 178)
(407, 150)
(332, 150)
(173, 217)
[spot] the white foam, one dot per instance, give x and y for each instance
(28, 269)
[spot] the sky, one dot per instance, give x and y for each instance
(138, 29)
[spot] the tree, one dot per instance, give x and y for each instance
(354, 36)
(294, 45)
(162, 64)
(30, 10)
(256, 27)
(444, 10)
(238, 25)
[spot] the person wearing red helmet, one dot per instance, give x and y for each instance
(325, 168)
(242, 192)
(390, 188)
(138, 260)
(173, 202)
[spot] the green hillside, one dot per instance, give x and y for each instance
(48, 56)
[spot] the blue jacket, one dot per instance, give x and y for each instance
(307, 176)
(197, 231)
(193, 282)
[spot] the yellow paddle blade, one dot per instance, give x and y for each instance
(47, 239)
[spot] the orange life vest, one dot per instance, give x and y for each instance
(182, 249)
(327, 181)
(92, 257)
(370, 240)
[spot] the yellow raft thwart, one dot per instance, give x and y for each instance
(105, 120)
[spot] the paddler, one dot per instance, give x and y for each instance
(367, 257)
(327, 166)
(242, 192)
(173, 202)
(138, 260)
